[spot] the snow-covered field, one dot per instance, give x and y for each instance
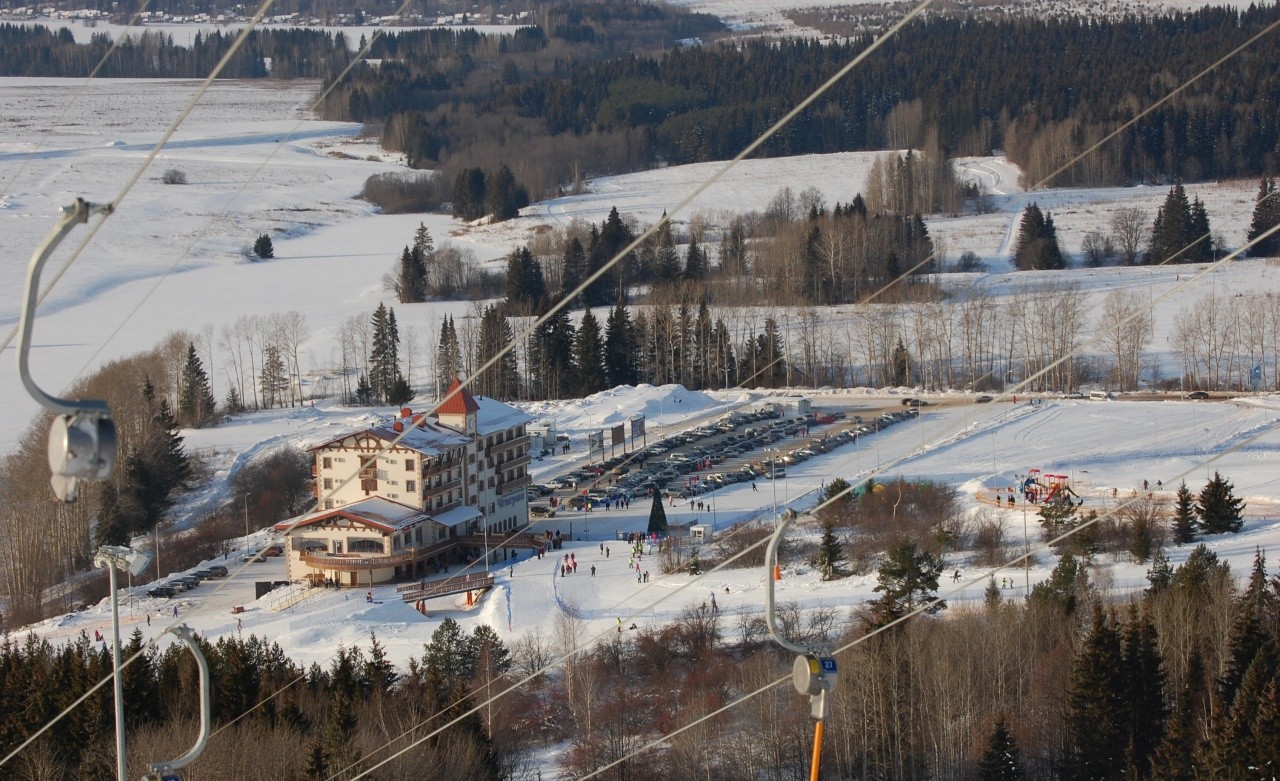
(332, 250)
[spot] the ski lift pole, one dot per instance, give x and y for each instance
(82, 437)
(167, 771)
(814, 671)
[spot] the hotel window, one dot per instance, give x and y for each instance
(410, 486)
(408, 464)
(328, 483)
(328, 462)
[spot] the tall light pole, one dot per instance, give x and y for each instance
(114, 557)
(246, 519)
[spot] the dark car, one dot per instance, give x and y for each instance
(162, 591)
(218, 571)
(1199, 395)
(982, 400)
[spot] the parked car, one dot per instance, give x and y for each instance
(203, 574)
(1198, 395)
(189, 581)
(162, 591)
(541, 511)
(982, 399)
(218, 571)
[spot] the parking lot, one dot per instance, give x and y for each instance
(736, 448)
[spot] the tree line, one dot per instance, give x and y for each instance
(295, 53)
(1044, 90)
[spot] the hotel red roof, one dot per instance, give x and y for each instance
(457, 401)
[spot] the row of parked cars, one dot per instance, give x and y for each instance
(179, 583)
(665, 465)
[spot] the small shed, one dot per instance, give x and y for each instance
(700, 532)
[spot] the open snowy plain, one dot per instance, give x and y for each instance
(173, 258)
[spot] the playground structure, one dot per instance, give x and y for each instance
(1037, 487)
(1041, 487)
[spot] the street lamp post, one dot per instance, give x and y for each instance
(114, 557)
(246, 520)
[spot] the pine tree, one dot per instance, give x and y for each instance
(1266, 215)
(724, 366)
(196, 405)
(666, 261)
(525, 286)
(1218, 507)
(907, 579)
(469, 194)
(1002, 761)
(657, 516)
(620, 348)
(588, 356)
(1059, 592)
(1201, 238)
(273, 382)
(1186, 529)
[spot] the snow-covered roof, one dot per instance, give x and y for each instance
(425, 437)
(457, 516)
(495, 416)
(375, 511)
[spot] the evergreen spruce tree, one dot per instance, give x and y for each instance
(525, 287)
(1176, 757)
(448, 356)
(1096, 717)
(1144, 681)
(1266, 215)
(384, 359)
(233, 404)
(1161, 573)
(364, 392)
(469, 194)
(620, 348)
(196, 405)
(991, 596)
(657, 516)
(575, 267)
(695, 264)
(1253, 628)
(1002, 761)
(501, 380)
(666, 261)
(725, 366)
(551, 367)
(1186, 529)
(1201, 238)
(901, 367)
(263, 247)
(1037, 244)
(1218, 507)
(273, 382)
(830, 554)
(588, 356)
(1172, 231)
(411, 279)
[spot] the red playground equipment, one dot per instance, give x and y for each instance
(1040, 487)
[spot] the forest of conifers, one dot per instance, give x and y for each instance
(565, 98)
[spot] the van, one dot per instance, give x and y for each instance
(1099, 396)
